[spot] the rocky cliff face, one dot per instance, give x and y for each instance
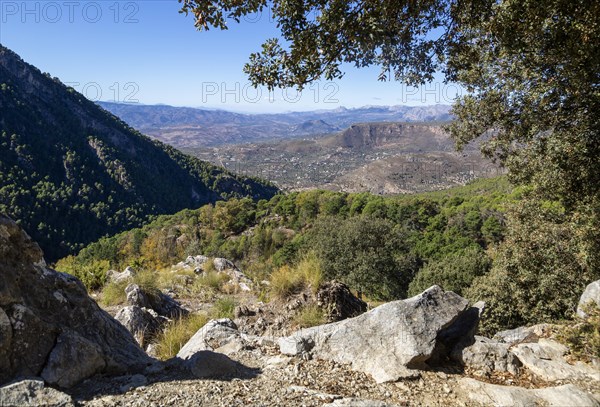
(49, 326)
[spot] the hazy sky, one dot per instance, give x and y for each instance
(146, 52)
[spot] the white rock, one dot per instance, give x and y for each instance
(496, 395)
(405, 329)
(213, 335)
(590, 295)
(545, 359)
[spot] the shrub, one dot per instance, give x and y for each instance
(309, 268)
(455, 272)
(91, 274)
(583, 336)
(285, 281)
(114, 293)
(364, 253)
(540, 270)
(212, 280)
(177, 333)
(223, 308)
(310, 315)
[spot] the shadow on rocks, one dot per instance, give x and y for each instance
(204, 365)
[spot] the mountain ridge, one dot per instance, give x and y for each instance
(72, 172)
(186, 127)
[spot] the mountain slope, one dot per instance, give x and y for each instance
(71, 172)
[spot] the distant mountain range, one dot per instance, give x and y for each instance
(71, 172)
(185, 127)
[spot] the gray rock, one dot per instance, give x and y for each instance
(236, 275)
(116, 277)
(486, 356)
(206, 364)
(157, 301)
(295, 345)
(30, 393)
(405, 329)
(545, 360)
(143, 323)
(48, 313)
(353, 402)
(213, 335)
(523, 334)
(338, 301)
(459, 335)
(223, 264)
(590, 295)
(73, 359)
(496, 395)
(133, 382)
(5, 338)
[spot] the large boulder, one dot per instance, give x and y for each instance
(338, 301)
(49, 326)
(213, 335)
(143, 323)
(155, 300)
(206, 364)
(30, 393)
(387, 342)
(591, 295)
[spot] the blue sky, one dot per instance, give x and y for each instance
(147, 52)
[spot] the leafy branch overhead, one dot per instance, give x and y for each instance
(532, 69)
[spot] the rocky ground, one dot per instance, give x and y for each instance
(58, 348)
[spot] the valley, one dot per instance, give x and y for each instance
(380, 158)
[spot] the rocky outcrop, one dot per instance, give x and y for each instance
(30, 393)
(143, 323)
(199, 265)
(336, 299)
(156, 300)
(407, 329)
(49, 326)
(236, 275)
(213, 335)
(486, 356)
(495, 395)
(591, 295)
(125, 275)
(545, 359)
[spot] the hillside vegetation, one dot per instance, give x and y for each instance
(71, 172)
(385, 248)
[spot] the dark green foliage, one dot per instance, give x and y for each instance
(71, 172)
(377, 250)
(364, 253)
(539, 272)
(454, 272)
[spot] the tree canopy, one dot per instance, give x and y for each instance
(532, 68)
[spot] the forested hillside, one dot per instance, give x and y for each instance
(71, 172)
(387, 248)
